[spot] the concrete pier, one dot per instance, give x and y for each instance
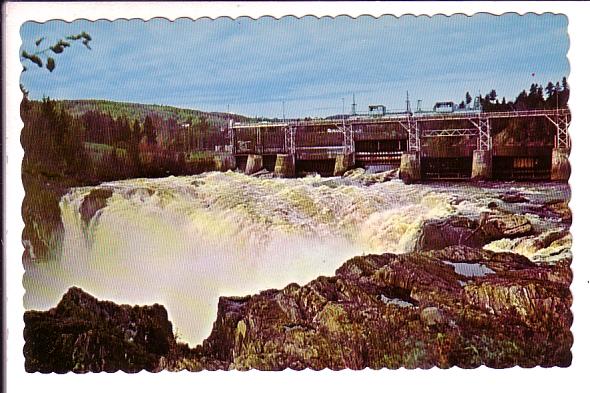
(409, 169)
(254, 164)
(343, 163)
(285, 165)
(225, 162)
(481, 168)
(560, 165)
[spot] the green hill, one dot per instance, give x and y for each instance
(139, 111)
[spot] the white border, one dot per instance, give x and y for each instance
(482, 379)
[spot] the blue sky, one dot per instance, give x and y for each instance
(310, 63)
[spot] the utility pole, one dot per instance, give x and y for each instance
(343, 112)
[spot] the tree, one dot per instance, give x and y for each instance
(149, 130)
(550, 89)
(56, 48)
(493, 95)
(133, 146)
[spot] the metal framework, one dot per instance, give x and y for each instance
(413, 130)
(416, 125)
(348, 138)
(561, 122)
(259, 146)
(482, 124)
(290, 139)
(450, 132)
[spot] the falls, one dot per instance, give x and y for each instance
(185, 241)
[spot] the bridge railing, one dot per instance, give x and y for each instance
(397, 117)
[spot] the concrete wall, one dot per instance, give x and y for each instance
(409, 169)
(254, 164)
(225, 162)
(560, 165)
(285, 165)
(343, 163)
(481, 168)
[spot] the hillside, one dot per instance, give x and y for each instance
(139, 111)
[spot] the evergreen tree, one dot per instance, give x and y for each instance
(549, 89)
(149, 130)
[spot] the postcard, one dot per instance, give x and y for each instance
(324, 193)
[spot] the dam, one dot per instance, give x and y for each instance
(416, 143)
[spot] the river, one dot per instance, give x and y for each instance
(185, 241)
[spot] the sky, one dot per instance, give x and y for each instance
(312, 65)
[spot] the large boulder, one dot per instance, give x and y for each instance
(83, 334)
(457, 230)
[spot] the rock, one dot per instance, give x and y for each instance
(561, 209)
(360, 176)
(83, 334)
(93, 202)
(355, 173)
(455, 230)
(500, 225)
(263, 173)
(513, 198)
(408, 310)
(431, 316)
(435, 316)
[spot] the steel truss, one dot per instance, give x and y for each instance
(411, 126)
(348, 141)
(482, 123)
(450, 132)
(561, 122)
(290, 139)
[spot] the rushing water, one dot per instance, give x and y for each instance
(185, 241)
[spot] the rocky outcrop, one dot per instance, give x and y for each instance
(458, 230)
(83, 334)
(458, 306)
(93, 202)
(453, 307)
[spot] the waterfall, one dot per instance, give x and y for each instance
(185, 241)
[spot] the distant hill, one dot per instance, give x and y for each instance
(140, 111)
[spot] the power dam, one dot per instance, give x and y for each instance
(416, 143)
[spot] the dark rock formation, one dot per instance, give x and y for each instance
(559, 209)
(83, 334)
(93, 202)
(457, 230)
(458, 306)
(512, 197)
(412, 310)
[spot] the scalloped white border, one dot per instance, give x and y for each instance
(482, 379)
